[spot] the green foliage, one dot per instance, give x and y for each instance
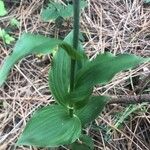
(122, 117)
(59, 74)
(6, 37)
(60, 124)
(51, 126)
(102, 68)
(55, 10)
(3, 11)
(110, 65)
(33, 44)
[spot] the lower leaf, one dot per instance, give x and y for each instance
(51, 127)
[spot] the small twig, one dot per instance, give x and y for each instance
(124, 99)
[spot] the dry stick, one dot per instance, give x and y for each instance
(133, 99)
(124, 99)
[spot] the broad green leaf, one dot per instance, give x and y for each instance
(59, 74)
(33, 44)
(102, 69)
(2, 8)
(92, 109)
(55, 10)
(51, 127)
(84, 143)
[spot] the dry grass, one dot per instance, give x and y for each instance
(119, 26)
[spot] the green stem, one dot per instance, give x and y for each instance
(75, 39)
(76, 27)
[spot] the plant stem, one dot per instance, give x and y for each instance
(76, 26)
(76, 4)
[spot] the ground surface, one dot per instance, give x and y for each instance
(118, 26)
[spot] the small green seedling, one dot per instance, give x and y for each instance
(72, 77)
(6, 37)
(3, 11)
(14, 22)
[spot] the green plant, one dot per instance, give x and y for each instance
(55, 10)
(6, 37)
(71, 80)
(2, 8)
(14, 22)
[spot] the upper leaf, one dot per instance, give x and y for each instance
(51, 126)
(102, 69)
(92, 109)
(33, 44)
(80, 96)
(59, 75)
(146, 1)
